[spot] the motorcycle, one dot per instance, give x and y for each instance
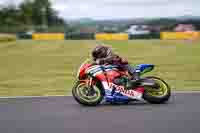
(95, 83)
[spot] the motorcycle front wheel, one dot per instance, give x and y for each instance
(158, 95)
(87, 96)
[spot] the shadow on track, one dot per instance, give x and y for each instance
(135, 103)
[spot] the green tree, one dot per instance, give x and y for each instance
(29, 12)
(10, 15)
(26, 12)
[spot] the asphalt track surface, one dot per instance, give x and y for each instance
(63, 115)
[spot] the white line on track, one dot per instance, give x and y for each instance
(22, 97)
(17, 97)
(185, 92)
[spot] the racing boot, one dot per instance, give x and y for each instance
(133, 81)
(121, 81)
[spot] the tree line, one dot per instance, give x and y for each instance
(30, 13)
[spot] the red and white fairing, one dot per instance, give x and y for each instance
(106, 76)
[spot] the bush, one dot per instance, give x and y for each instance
(23, 35)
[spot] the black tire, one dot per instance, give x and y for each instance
(82, 101)
(157, 99)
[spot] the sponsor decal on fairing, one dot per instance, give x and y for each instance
(130, 93)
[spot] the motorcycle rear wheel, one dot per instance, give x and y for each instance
(157, 95)
(80, 93)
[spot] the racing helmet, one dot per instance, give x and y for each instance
(101, 51)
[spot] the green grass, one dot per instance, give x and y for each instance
(7, 37)
(38, 68)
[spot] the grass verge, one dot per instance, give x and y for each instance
(41, 68)
(7, 37)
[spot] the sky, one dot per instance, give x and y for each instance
(113, 9)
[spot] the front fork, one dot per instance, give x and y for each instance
(90, 86)
(89, 83)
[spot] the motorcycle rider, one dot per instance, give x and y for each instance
(103, 54)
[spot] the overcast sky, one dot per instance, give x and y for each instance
(106, 9)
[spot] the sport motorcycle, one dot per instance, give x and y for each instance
(95, 83)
